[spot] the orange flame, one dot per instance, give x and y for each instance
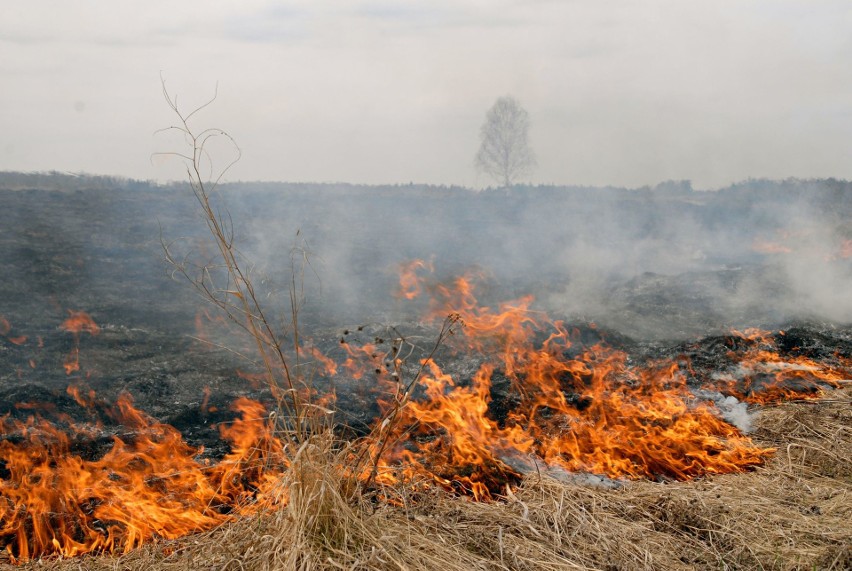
(147, 486)
(537, 399)
(80, 321)
(844, 251)
(410, 285)
(77, 323)
(6, 329)
(764, 376)
(769, 247)
(585, 410)
(324, 364)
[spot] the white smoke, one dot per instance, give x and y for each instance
(730, 408)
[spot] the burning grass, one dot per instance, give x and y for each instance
(148, 484)
(570, 407)
(792, 513)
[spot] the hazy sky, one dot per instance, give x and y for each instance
(623, 92)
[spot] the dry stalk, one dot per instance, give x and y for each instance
(385, 433)
(237, 297)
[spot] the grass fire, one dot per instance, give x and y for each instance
(426, 285)
(539, 399)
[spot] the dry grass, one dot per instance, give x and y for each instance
(795, 513)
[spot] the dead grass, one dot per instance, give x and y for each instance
(795, 513)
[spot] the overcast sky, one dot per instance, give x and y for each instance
(622, 92)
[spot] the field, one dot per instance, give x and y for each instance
(629, 300)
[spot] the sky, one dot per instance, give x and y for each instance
(619, 92)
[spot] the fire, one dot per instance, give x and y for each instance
(560, 407)
(536, 398)
(6, 329)
(323, 364)
(77, 323)
(762, 375)
(72, 361)
(255, 380)
(762, 246)
(409, 282)
(844, 252)
(363, 359)
(208, 323)
(804, 242)
(147, 485)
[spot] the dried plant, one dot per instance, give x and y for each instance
(228, 284)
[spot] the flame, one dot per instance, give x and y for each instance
(763, 376)
(77, 323)
(72, 361)
(6, 329)
(788, 241)
(845, 250)
(80, 321)
(324, 365)
(204, 408)
(409, 282)
(537, 399)
(146, 486)
(762, 246)
(565, 407)
(363, 359)
(255, 380)
(205, 324)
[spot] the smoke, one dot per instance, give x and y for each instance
(653, 262)
(730, 408)
(662, 262)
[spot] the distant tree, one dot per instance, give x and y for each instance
(505, 154)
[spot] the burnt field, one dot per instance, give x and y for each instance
(727, 301)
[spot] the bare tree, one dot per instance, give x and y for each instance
(504, 153)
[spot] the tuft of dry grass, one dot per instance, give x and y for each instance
(794, 513)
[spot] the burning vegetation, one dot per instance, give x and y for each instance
(147, 485)
(540, 398)
(564, 406)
